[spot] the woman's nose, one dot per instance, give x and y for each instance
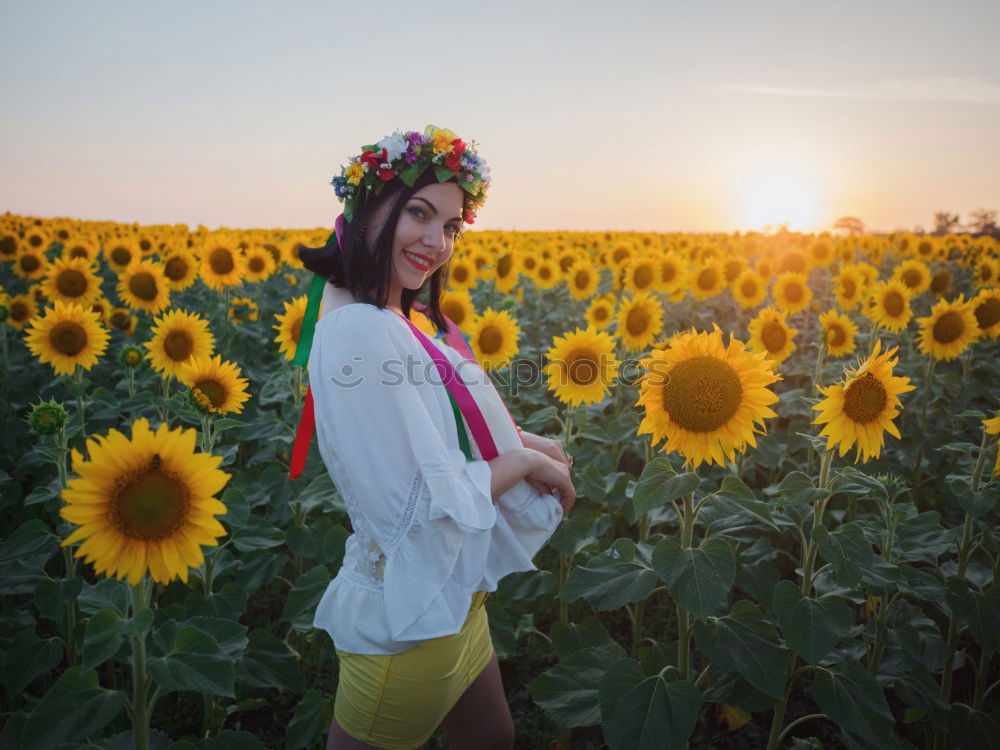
(434, 238)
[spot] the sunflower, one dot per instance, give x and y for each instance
(792, 260)
(145, 503)
(10, 244)
(732, 267)
(820, 252)
(493, 338)
(860, 410)
(986, 307)
(37, 240)
(583, 279)
(22, 309)
(71, 280)
(838, 333)
(546, 274)
(81, 248)
(457, 305)
(671, 272)
(770, 334)
(462, 273)
(507, 272)
(601, 311)
(640, 320)
(259, 264)
(422, 322)
(890, 305)
(30, 264)
(582, 366)
(707, 279)
(103, 309)
(120, 318)
(849, 287)
(941, 283)
(142, 286)
(120, 253)
(640, 274)
(177, 337)
(181, 269)
(215, 385)
(290, 326)
(705, 398)
(749, 288)
(67, 335)
(914, 274)
(222, 263)
(987, 272)
(242, 309)
(791, 292)
(992, 427)
(949, 330)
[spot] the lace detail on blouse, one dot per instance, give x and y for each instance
(373, 556)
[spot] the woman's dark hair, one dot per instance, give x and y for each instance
(358, 270)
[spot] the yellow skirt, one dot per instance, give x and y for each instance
(396, 701)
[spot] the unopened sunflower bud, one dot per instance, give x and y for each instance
(47, 417)
(508, 303)
(200, 401)
(130, 356)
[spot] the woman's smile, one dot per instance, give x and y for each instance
(420, 262)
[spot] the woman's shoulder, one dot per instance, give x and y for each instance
(360, 325)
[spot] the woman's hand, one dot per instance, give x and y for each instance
(551, 477)
(552, 448)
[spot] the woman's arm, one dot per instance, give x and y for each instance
(510, 468)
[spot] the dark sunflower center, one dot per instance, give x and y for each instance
(30, 263)
(256, 264)
(848, 287)
(71, 283)
(213, 390)
(504, 266)
(949, 327)
(490, 340)
(221, 261)
(911, 277)
(941, 282)
(637, 321)
(460, 274)
(297, 329)
(8, 245)
(600, 313)
(145, 245)
(565, 262)
(702, 394)
(178, 345)
(836, 336)
(643, 276)
(793, 292)
(581, 279)
(581, 367)
(121, 256)
(79, 252)
(668, 271)
(133, 357)
(545, 272)
(151, 504)
(176, 268)
(530, 262)
(749, 288)
(773, 336)
(18, 311)
(988, 313)
(707, 278)
(119, 319)
(454, 311)
(143, 286)
(894, 303)
(68, 338)
(865, 399)
(34, 240)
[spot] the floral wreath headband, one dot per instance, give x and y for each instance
(406, 156)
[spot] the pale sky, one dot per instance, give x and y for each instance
(625, 115)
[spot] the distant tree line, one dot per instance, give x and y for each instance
(982, 221)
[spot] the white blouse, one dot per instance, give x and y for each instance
(426, 531)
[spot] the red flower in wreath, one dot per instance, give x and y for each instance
(373, 158)
(453, 159)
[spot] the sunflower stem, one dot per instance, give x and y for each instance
(964, 550)
(297, 387)
(140, 715)
(921, 428)
(683, 619)
(818, 508)
(80, 404)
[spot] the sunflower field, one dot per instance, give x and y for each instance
(785, 456)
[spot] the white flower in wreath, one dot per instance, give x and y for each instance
(394, 145)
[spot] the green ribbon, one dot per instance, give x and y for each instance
(463, 438)
(309, 322)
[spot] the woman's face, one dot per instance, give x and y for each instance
(425, 235)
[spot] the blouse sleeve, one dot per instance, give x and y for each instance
(378, 410)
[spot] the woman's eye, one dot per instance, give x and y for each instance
(418, 210)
